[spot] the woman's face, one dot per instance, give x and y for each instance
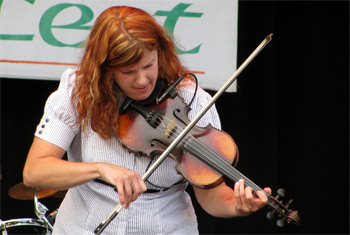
(137, 81)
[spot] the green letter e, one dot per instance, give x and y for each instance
(45, 26)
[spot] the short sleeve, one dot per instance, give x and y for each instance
(200, 101)
(58, 124)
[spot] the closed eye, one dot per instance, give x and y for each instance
(127, 72)
(148, 66)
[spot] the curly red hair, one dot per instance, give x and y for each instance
(118, 38)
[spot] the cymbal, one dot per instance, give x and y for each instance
(22, 192)
(60, 194)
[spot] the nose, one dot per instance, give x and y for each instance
(141, 79)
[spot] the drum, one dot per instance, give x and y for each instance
(24, 226)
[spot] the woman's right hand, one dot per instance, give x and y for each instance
(45, 168)
(128, 183)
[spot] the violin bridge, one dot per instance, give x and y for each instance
(170, 128)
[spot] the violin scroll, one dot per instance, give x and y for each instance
(283, 212)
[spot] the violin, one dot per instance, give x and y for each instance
(203, 150)
(204, 156)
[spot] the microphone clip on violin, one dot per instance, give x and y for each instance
(170, 90)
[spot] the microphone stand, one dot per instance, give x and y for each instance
(162, 157)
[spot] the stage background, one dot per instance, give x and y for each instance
(289, 118)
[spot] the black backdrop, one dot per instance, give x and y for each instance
(289, 118)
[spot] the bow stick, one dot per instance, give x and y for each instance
(177, 140)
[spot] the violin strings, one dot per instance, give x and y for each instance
(235, 175)
(222, 165)
(177, 131)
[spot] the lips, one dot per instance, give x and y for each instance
(142, 89)
(142, 92)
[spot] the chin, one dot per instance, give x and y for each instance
(140, 97)
(144, 95)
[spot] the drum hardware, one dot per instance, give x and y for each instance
(4, 225)
(40, 210)
(20, 191)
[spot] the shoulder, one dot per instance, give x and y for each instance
(189, 90)
(198, 99)
(68, 78)
(62, 96)
(69, 72)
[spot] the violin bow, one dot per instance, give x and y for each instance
(185, 131)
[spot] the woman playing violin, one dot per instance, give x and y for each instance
(126, 53)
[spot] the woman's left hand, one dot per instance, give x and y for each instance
(246, 201)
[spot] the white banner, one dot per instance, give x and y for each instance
(39, 39)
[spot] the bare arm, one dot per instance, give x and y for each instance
(222, 201)
(45, 168)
